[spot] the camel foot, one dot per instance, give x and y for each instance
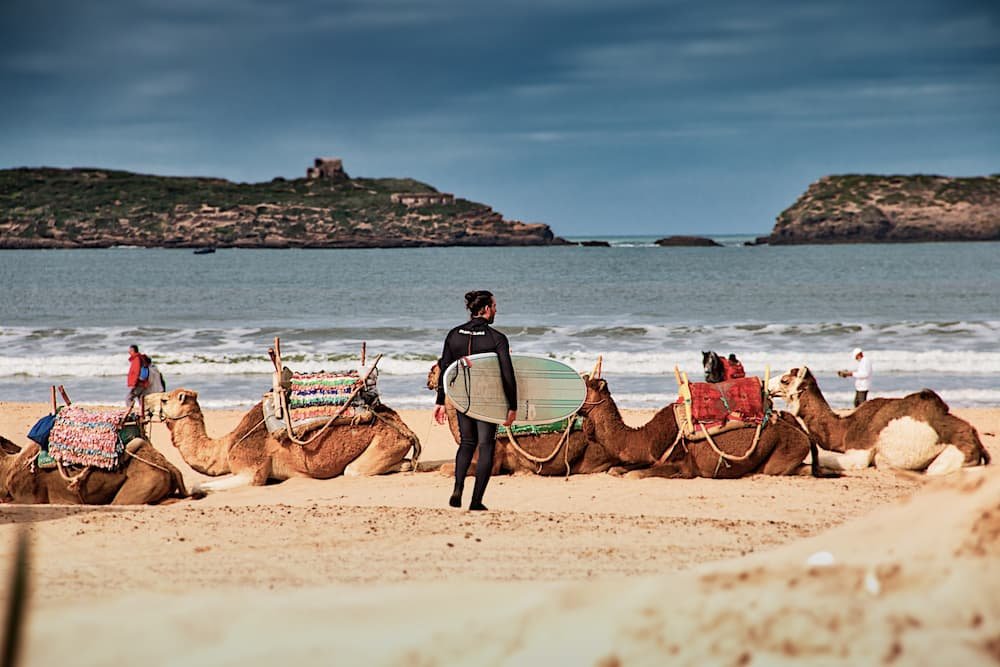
(455, 500)
(222, 484)
(948, 461)
(477, 507)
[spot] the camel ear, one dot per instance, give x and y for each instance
(8, 447)
(602, 385)
(182, 397)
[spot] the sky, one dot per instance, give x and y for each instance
(597, 117)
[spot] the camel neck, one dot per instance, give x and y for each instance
(821, 419)
(204, 454)
(812, 404)
(633, 445)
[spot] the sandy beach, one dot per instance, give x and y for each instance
(594, 569)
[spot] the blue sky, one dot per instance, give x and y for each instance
(610, 117)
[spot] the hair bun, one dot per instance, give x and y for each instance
(477, 300)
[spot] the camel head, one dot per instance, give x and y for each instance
(597, 388)
(8, 450)
(433, 377)
(597, 393)
(173, 405)
(790, 386)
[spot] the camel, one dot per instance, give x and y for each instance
(643, 452)
(543, 454)
(916, 432)
(146, 478)
(250, 456)
(549, 455)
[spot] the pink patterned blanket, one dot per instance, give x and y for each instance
(88, 436)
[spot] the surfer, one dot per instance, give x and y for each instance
(474, 337)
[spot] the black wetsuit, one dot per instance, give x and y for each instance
(474, 337)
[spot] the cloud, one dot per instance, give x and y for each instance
(166, 84)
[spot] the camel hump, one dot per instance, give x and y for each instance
(932, 396)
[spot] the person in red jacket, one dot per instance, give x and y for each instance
(136, 385)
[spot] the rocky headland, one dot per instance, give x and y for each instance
(870, 208)
(99, 208)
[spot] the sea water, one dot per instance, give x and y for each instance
(927, 315)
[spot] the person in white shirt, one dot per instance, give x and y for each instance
(862, 376)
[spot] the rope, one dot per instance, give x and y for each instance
(247, 434)
(415, 441)
(670, 450)
(541, 461)
(73, 483)
(288, 417)
(729, 457)
(149, 463)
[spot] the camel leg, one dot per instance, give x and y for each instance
(787, 457)
(144, 491)
(965, 438)
(379, 457)
(224, 483)
(679, 470)
(948, 461)
(623, 470)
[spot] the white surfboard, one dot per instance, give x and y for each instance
(547, 390)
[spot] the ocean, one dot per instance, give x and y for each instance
(928, 315)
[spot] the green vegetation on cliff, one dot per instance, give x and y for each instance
(85, 207)
(865, 208)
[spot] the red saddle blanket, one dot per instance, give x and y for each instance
(733, 400)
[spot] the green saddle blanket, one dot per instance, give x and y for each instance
(44, 461)
(541, 429)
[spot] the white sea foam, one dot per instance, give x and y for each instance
(886, 362)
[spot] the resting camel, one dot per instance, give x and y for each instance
(782, 447)
(251, 456)
(146, 477)
(914, 432)
(543, 454)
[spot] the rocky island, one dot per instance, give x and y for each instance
(868, 208)
(99, 208)
(687, 242)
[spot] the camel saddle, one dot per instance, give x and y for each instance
(92, 436)
(543, 429)
(313, 399)
(718, 407)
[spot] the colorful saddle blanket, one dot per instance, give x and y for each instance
(313, 398)
(723, 406)
(542, 429)
(92, 436)
(323, 394)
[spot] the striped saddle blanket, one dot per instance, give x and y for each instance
(92, 436)
(323, 394)
(313, 398)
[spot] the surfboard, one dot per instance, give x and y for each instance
(547, 390)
